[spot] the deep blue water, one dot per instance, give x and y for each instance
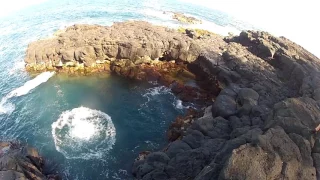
(104, 122)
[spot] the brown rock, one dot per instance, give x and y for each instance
(22, 162)
(186, 19)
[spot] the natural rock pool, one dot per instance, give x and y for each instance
(96, 123)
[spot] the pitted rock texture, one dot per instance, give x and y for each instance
(20, 162)
(261, 125)
(89, 45)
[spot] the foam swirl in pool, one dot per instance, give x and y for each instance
(83, 133)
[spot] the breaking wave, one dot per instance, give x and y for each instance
(157, 91)
(180, 105)
(166, 19)
(163, 15)
(83, 133)
(7, 107)
(213, 27)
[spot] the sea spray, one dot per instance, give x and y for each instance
(178, 104)
(83, 133)
(165, 18)
(7, 107)
(151, 93)
(157, 91)
(158, 14)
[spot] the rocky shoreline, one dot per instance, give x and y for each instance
(260, 96)
(18, 161)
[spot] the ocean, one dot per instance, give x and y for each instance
(89, 127)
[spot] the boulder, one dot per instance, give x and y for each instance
(19, 161)
(177, 147)
(194, 139)
(224, 106)
(212, 127)
(276, 156)
(295, 115)
(189, 163)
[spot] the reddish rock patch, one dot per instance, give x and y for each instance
(183, 83)
(181, 124)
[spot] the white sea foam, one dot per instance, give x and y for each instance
(157, 91)
(7, 107)
(153, 92)
(18, 66)
(122, 171)
(179, 105)
(163, 15)
(153, 82)
(206, 25)
(83, 133)
(29, 85)
(213, 27)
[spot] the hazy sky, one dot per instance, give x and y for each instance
(11, 6)
(297, 20)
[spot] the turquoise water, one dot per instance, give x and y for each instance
(87, 127)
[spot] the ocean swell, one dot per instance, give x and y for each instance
(7, 107)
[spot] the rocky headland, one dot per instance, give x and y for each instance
(259, 96)
(21, 162)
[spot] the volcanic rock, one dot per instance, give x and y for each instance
(19, 161)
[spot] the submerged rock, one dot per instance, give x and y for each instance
(186, 19)
(21, 162)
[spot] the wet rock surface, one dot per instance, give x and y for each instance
(21, 162)
(262, 123)
(261, 97)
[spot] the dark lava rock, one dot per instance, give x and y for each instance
(19, 161)
(262, 124)
(224, 106)
(261, 115)
(277, 156)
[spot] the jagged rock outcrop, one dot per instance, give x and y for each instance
(83, 46)
(134, 49)
(20, 162)
(260, 117)
(90, 45)
(261, 125)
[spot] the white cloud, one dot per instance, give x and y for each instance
(295, 19)
(10, 6)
